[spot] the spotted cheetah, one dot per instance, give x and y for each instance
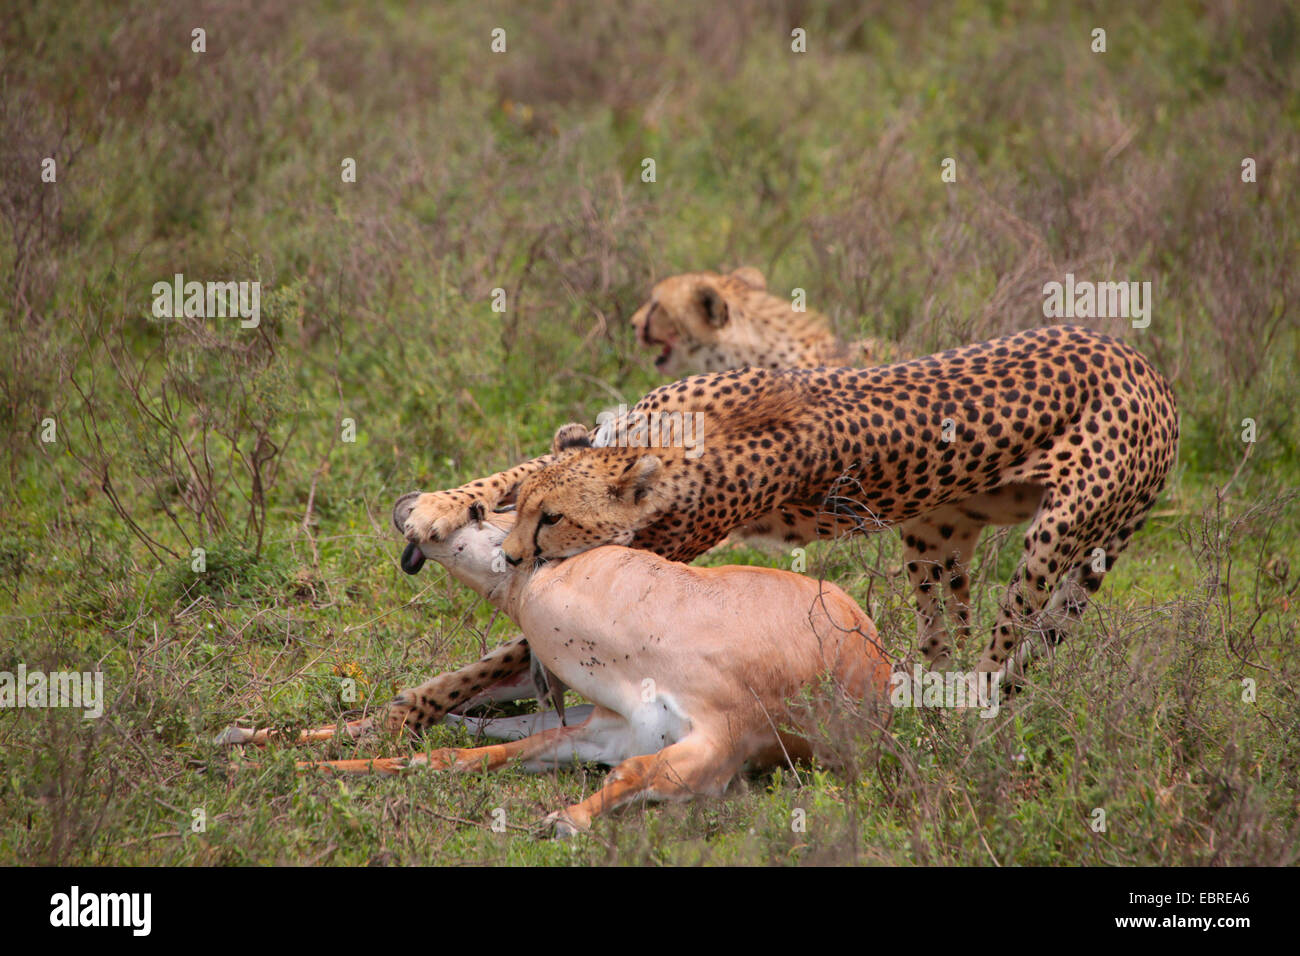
(1062, 425)
(706, 322)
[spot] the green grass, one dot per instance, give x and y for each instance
(520, 171)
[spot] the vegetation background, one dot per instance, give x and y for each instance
(521, 170)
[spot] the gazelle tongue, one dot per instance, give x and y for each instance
(412, 559)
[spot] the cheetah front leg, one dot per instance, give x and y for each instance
(432, 515)
(507, 667)
(937, 551)
(501, 675)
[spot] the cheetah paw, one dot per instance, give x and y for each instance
(435, 515)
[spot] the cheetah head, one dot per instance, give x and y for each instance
(586, 498)
(697, 321)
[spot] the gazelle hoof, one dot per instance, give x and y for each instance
(234, 736)
(562, 826)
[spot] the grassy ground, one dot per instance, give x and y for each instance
(521, 171)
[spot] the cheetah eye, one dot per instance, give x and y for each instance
(548, 518)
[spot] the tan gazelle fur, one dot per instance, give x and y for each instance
(690, 670)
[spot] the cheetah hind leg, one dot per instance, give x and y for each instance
(1068, 602)
(1050, 589)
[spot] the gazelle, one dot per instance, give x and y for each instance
(689, 670)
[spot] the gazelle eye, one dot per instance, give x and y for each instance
(548, 518)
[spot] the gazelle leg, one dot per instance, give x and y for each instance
(680, 771)
(524, 725)
(601, 738)
(260, 737)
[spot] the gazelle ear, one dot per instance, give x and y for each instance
(638, 478)
(750, 276)
(713, 305)
(572, 435)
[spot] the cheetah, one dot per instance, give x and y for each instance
(706, 322)
(688, 682)
(1063, 426)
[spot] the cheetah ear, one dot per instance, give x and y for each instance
(751, 277)
(572, 435)
(714, 305)
(637, 479)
